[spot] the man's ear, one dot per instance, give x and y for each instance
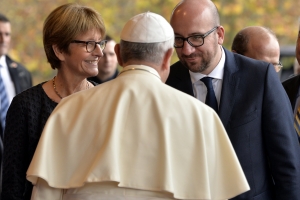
(58, 52)
(233, 51)
(167, 59)
(118, 54)
(221, 34)
(165, 66)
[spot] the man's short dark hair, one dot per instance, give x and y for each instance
(240, 42)
(108, 38)
(3, 18)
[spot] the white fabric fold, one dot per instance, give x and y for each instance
(144, 135)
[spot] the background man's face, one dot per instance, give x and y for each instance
(5, 36)
(108, 63)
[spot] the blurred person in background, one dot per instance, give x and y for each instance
(259, 43)
(14, 78)
(292, 86)
(73, 37)
(108, 65)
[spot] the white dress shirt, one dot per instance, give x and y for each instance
(8, 83)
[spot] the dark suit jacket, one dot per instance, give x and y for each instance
(22, 80)
(258, 118)
(291, 87)
(95, 79)
(20, 76)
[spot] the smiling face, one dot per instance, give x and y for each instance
(196, 18)
(5, 36)
(80, 62)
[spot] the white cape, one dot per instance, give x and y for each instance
(141, 133)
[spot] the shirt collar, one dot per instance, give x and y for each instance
(3, 61)
(217, 73)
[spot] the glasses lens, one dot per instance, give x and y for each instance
(90, 46)
(278, 66)
(178, 42)
(102, 44)
(196, 40)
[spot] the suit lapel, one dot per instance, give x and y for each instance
(186, 85)
(292, 91)
(13, 72)
(182, 80)
(229, 88)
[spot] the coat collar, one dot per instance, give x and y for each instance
(229, 87)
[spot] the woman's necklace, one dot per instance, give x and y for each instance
(54, 87)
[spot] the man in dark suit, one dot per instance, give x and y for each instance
(292, 88)
(251, 101)
(292, 85)
(15, 77)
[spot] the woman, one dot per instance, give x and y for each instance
(72, 37)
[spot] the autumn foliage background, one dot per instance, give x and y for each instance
(27, 17)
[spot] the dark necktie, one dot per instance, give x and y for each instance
(4, 102)
(297, 121)
(211, 99)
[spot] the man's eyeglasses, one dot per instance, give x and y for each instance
(91, 45)
(278, 66)
(194, 40)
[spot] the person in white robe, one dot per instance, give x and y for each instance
(134, 137)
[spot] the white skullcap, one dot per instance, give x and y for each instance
(147, 28)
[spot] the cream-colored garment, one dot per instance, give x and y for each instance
(141, 133)
(98, 191)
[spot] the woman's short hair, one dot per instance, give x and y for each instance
(64, 24)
